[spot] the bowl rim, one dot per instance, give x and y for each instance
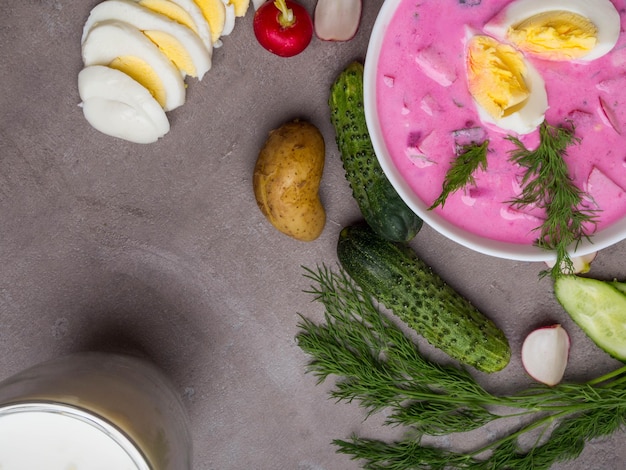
(610, 235)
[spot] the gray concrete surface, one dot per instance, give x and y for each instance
(108, 245)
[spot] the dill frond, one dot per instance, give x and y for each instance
(461, 171)
(546, 184)
(379, 367)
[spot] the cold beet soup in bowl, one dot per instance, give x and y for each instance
(521, 81)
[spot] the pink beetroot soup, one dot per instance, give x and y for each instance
(423, 115)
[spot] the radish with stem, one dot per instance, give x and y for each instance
(283, 27)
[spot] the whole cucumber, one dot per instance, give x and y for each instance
(393, 274)
(380, 204)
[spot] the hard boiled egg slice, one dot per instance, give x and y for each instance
(580, 30)
(509, 92)
(171, 9)
(229, 18)
(214, 13)
(179, 43)
(241, 7)
(122, 46)
(116, 105)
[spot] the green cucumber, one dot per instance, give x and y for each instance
(598, 308)
(381, 206)
(392, 274)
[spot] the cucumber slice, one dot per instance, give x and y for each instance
(598, 308)
(620, 286)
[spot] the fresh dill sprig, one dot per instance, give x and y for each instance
(377, 365)
(546, 184)
(565, 443)
(461, 172)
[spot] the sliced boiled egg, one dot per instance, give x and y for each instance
(229, 18)
(241, 7)
(179, 43)
(508, 91)
(136, 55)
(214, 13)
(580, 30)
(171, 10)
(122, 46)
(116, 105)
(201, 26)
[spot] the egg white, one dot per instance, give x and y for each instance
(229, 23)
(116, 105)
(110, 39)
(202, 26)
(602, 13)
(144, 19)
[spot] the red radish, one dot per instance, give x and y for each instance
(283, 27)
(545, 352)
(337, 20)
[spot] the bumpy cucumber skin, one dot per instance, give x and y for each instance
(380, 204)
(393, 274)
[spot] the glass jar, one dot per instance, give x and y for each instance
(93, 411)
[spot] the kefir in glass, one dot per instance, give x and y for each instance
(92, 411)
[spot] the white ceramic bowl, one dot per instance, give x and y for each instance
(600, 239)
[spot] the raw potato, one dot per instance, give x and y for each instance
(287, 177)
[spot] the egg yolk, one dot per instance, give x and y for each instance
(140, 71)
(215, 14)
(173, 50)
(172, 11)
(555, 35)
(495, 75)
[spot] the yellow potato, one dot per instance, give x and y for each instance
(287, 177)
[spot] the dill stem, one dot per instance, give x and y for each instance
(543, 421)
(547, 185)
(609, 376)
(619, 381)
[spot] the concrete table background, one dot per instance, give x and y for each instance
(106, 245)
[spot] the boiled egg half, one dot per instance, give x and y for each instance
(580, 30)
(508, 91)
